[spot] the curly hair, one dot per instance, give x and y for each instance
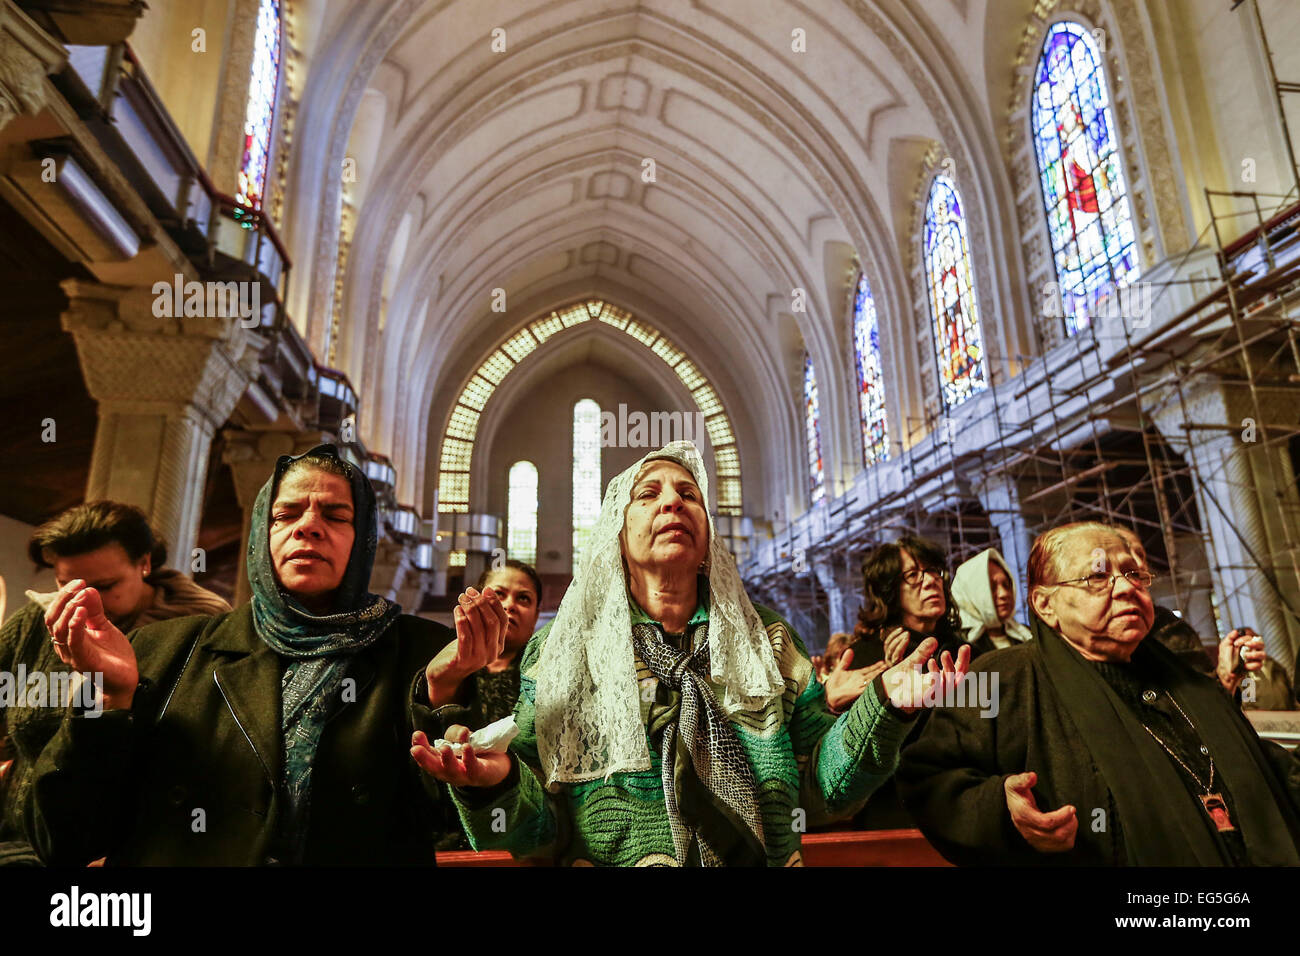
(882, 580)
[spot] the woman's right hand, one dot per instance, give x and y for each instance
(87, 641)
(470, 769)
(1052, 832)
(481, 625)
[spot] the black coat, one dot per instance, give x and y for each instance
(951, 778)
(192, 774)
(885, 811)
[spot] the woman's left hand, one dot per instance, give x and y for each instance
(919, 679)
(1240, 653)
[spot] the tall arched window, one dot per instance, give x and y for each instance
(953, 309)
(813, 432)
(586, 475)
(871, 382)
(1088, 212)
(259, 117)
(521, 512)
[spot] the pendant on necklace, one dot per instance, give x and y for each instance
(1218, 811)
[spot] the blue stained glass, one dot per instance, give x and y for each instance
(871, 378)
(1088, 212)
(954, 311)
(813, 432)
(259, 117)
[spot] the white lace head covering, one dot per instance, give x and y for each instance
(588, 707)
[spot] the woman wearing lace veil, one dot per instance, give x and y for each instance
(664, 718)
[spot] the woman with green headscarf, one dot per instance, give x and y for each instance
(276, 733)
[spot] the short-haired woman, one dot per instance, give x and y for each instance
(111, 546)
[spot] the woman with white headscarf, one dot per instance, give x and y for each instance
(984, 590)
(663, 718)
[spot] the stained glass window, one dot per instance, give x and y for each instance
(813, 431)
(958, 344)
(586, 475)
(871, 377)
(260, 114)
(1088, 212)
(521, 512)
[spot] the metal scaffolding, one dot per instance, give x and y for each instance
(1122, 438)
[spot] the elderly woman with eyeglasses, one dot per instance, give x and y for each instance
(666, 720)
(1104, 748)
(905, 600)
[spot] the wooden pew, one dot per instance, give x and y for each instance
(846, 848)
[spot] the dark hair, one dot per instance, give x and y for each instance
(882, 591)
(92, 525)
(517, 566)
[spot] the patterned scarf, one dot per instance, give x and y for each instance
(318, 645)
(709, 786)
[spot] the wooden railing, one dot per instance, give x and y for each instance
(848, 848)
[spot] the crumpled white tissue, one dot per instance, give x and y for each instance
(494, 738)
(43, 599)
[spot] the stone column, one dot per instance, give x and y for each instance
(394, 563)
(251, 456)
(1246, 496)
(999, 495)
(163, 385)
(843, 587)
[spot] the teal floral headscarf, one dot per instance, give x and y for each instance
(317, 646)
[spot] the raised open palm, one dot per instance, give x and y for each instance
(87, 641)
(919, 681)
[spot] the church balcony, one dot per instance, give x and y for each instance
(224, 238)
(380, 471)
(424, 551)
(478, 533)
(337, 402)
(403, 521)
(461, 546)
(353, 452)
(87, 21)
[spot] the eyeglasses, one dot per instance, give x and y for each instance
(913, 577)
(1100, 581)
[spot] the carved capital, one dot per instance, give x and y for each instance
(252, 455)
(131, 359)
(27, 55)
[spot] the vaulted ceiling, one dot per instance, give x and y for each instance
(676, 157)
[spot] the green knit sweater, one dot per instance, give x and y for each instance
(810, 768)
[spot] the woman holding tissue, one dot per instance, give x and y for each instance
(273, 734)
(111, 545)
(478, 698)
(663, 718)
